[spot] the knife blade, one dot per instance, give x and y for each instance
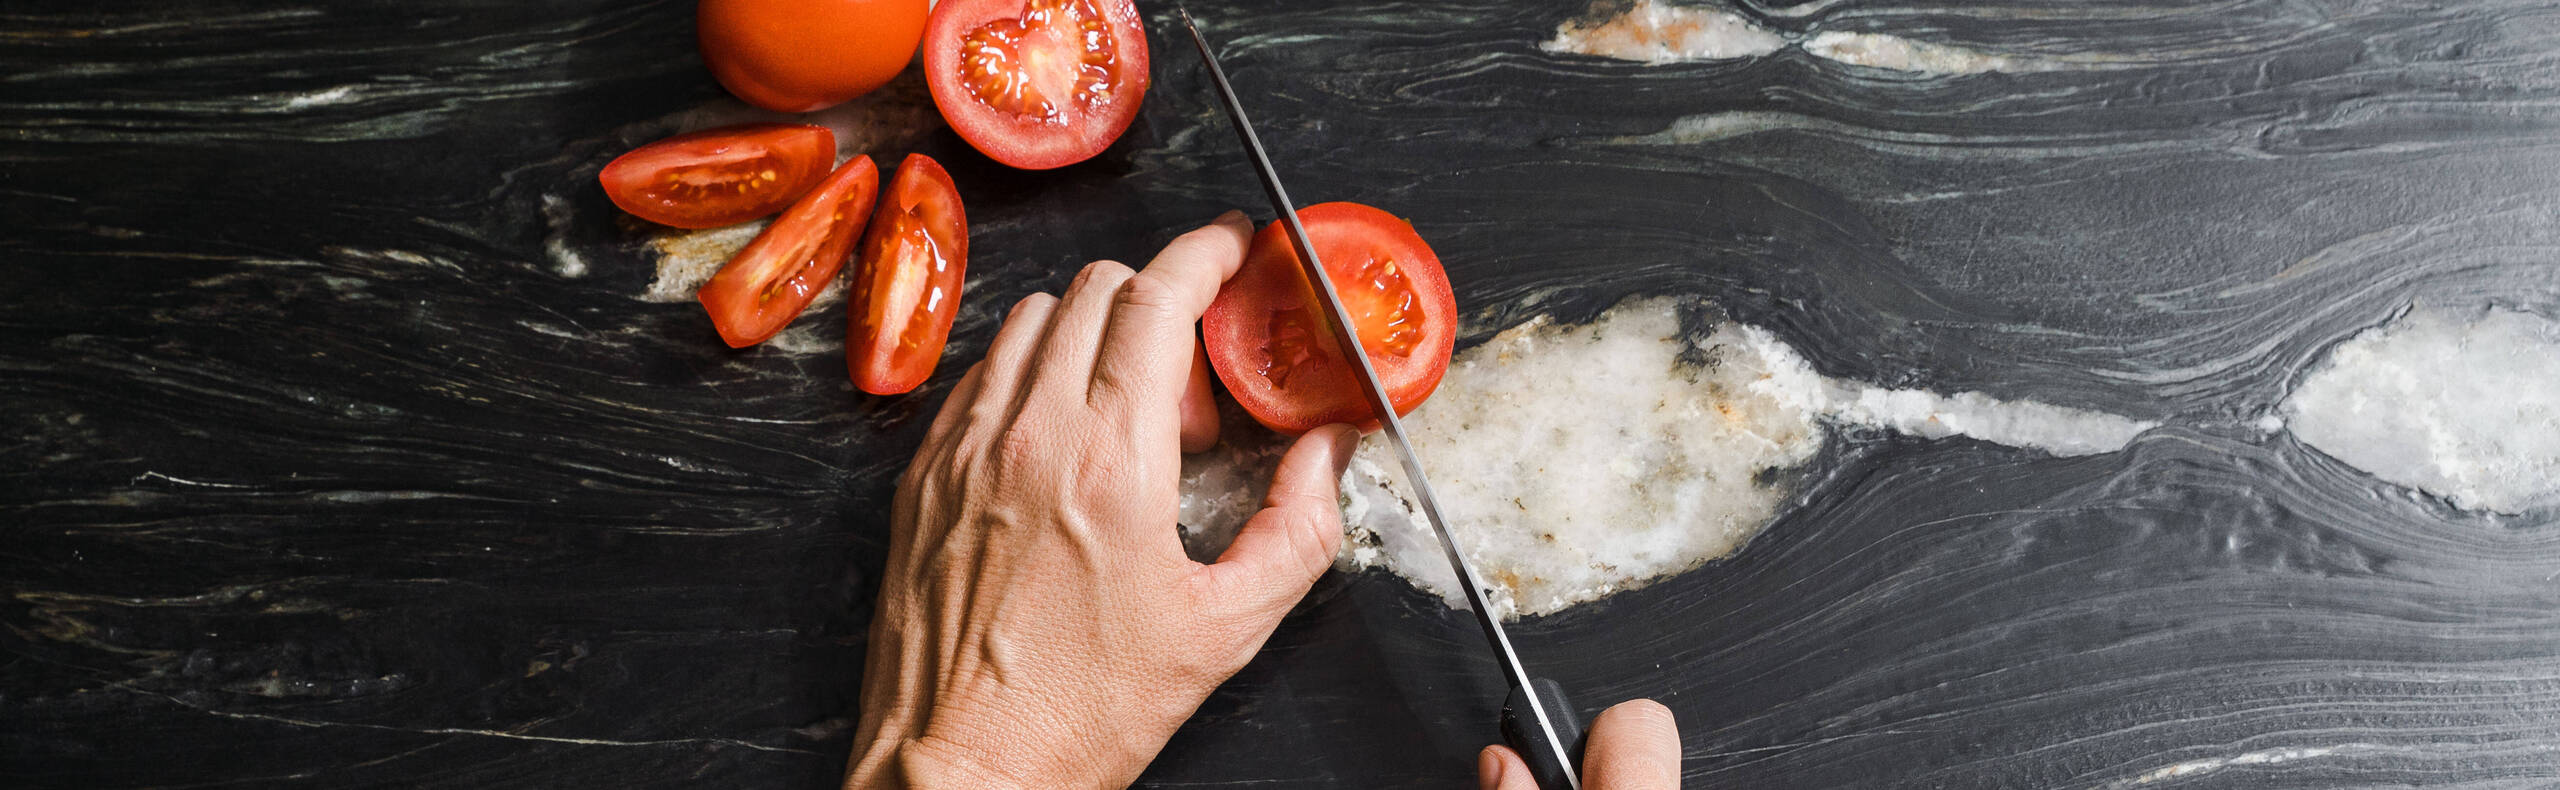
(1537, 722)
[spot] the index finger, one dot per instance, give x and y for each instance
(1146, 349)
(1190, 270)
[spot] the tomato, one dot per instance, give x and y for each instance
(721, 176)
(774, 277)
(803, 55)
(1037, 84)
(1266, 333)
(913, 260)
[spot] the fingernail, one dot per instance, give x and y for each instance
(1232, 217)
(1345, 442)
(1488, 770)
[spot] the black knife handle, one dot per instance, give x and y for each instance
(1520, 732)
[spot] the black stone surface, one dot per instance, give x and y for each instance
(319, 467)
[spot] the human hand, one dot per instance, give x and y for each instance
(1038, 623)
(1634, 745)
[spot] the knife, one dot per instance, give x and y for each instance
(1537, 720)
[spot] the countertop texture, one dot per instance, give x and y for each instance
(340, 448)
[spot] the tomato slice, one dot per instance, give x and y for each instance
(1268, 342)
(721, 176)
(913, 260)
(758, 292)
(1037, 84)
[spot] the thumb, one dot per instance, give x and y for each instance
(1500, 768)
(1291, 541)
(1634, 745)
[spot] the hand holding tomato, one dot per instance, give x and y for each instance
(1269, 340)
(1038, 624)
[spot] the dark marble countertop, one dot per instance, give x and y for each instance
(341, 444)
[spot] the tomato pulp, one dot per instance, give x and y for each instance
(721, 176)
(803, 55)
(1266, 333)
(1037, 84)
(913, 261)
(758, 292)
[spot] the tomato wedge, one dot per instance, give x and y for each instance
(721, 176)
(1037, 84)
(758, 292)
(1268, 342)
(913, 260)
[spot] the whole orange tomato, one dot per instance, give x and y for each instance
(803, 55)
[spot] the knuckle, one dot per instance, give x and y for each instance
(1149, 293)
(1102, 271)
(1020, 445)
(1314, 524)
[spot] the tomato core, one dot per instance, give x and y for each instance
(1383, 308)
(916, 292)
(1057, 51)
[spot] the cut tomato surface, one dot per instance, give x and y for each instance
(1037, 84)
(1266, 333)
(803, 55)
(913, 261)
(770, 281)
(721, 176)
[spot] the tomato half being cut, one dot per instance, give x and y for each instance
(1037, 84)
(913, 260)
(721, 176)
(770, 281)
(1266, 333)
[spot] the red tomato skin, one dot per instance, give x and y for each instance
(1019, 142)
(772, 279)
(915, 257)
(805, 55)
(1235, 328)
(800, 155)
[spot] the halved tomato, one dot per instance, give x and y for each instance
(770, 281)
(1266, 333)
(1037, 84)
(721, 176)
(913, 261)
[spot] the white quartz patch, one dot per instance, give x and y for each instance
(1654, 32)
(1665, 32)
(2059, 430)
(1883, 51)
(1576, 461)
(688, 258)
(2464, 404)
